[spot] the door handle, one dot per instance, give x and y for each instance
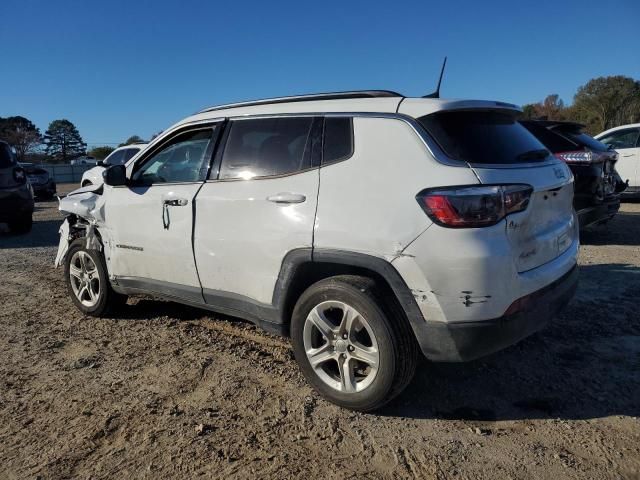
(287, 197)
(628, 155)
(176, 202)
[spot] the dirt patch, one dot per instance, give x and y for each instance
(167, 391)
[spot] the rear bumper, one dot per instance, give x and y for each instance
(463, 341)
(599, 213)
(15, 202)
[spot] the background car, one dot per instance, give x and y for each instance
(43, 185)
(597, 184)
(626, 141)
(16, 195)
(119, 156)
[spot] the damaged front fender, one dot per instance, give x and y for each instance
(85, 204)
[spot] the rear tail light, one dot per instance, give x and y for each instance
(579, 157)
(472, 207)
(19, 175)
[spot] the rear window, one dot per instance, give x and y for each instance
(129, 153)
(6, 156)
(584, 140)
(553, 141)
(483, 137)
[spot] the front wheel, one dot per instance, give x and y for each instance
(351, 342)
(88, 282)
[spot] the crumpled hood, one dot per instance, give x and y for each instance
(85, 203)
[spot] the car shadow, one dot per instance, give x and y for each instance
(583, 365)
(43, 234)
(623, 229)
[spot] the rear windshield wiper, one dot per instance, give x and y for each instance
(534, 155)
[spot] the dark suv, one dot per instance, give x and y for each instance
(16, 195)
(597, 184)
(43, 185)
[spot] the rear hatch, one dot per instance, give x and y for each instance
(501, 152)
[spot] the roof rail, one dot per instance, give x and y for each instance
(310, 97)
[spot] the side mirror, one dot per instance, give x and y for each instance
(100, 163)
(115, 176)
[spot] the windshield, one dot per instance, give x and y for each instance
(484, 137)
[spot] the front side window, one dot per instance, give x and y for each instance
(337, 140)
(622, 138)
(184, 159)
(265, 147)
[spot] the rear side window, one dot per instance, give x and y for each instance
(266, 146)
(337, 139)
(483, 137)
(6, 156)
(622, 138)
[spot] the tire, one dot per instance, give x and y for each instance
(21, 225)
(379, 334)
(88, 282)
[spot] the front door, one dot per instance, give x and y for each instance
(151, 219)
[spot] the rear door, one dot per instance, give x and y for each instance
(627, 143)
(258, 205)
(501, 151)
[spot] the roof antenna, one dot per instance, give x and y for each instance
(436, 94)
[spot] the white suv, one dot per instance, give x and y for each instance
(365, 225)
(120, 156)
(625, 139)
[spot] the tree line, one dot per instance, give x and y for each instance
(600, 104)
(60, 143)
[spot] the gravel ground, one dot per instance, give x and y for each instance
(167, 391)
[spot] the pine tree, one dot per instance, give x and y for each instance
(63, 141)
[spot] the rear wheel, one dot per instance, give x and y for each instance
(88, 282)
(353, 346)
(22, 225)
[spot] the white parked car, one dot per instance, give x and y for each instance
(365, 225)
(119, 156)
(626, 141)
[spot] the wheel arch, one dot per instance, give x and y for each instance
(303, 267)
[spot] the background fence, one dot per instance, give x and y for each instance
(66, 173)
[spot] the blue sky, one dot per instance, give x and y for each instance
(118, 68)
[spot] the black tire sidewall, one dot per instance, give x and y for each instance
(376, 393)
(96, 256)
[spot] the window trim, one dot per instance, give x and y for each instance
(353, 143)
(216, 165)
(170, 137)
